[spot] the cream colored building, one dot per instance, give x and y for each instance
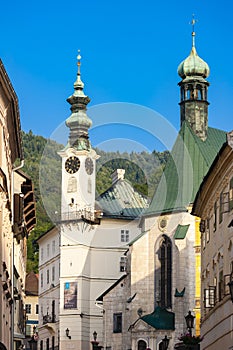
(17, 218)
(214, 205)
(31, 307)
(49, 290)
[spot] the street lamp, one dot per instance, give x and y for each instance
(189, 322)
(95, 336)
(165, 342)
(230, 284)
(68, 333)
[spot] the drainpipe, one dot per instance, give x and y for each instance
(13, 252)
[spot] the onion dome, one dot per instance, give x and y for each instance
(193, 65)
(78, 121)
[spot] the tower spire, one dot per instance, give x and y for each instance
(78, 84)
(193, 22)
(78, 121)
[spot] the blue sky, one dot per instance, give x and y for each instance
(130, 53)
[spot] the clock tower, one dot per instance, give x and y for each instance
(78, 160)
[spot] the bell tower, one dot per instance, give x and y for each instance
(193, 91)
(78, 159)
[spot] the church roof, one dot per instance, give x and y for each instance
(121, 200)
(160, 319)
(189, 162)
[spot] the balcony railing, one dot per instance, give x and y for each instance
(92, 217)
(49, 319)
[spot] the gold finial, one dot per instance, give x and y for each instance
(193, 22)
(79, 61)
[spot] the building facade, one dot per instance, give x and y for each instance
(214, 205)
(31, 308)
(17, 218)
(49, 290)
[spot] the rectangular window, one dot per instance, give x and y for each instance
(124, 235)
(41, 280)
(207, 227)
(123, 264)
(48, 250)
(53, 273)
(53, 342)
(231, 195)
(41, 345)
(117, 322)
(28, 330)
(220, 286)
(42, 254)
(220, 207)
(53, 247)
(47, 273)
(37, 309)
(215, 216)
(28, 308)
(209, 297)
(47, 344)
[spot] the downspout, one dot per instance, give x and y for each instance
(13, 252)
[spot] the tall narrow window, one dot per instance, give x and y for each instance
(53, 247)
(166, 272)
(41, 280)
(220, 286)
(231, 195)
(123, 263)
(42, 254)
(215, 216)
(53, 342)
(53, 273)
(53, 311)
(221, 207)
(89, 186)
(117, 322)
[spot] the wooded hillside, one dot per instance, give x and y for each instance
(43, 165)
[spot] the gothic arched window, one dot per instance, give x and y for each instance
(166, 272)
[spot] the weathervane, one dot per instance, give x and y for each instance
(193, 22)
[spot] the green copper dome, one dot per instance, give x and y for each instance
(193, 65)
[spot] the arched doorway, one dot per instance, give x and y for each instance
(2, 346)
(142, 345)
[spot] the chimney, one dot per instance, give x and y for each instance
(118, 175)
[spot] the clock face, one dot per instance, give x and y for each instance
(72, 165)
(89, 166)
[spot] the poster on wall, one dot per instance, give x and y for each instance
(70, 295)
